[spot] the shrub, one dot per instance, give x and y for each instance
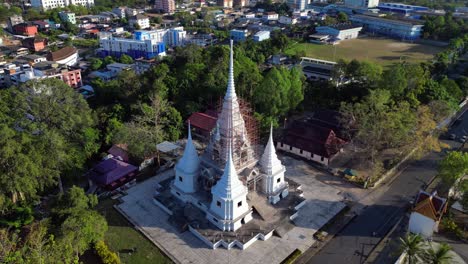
(18, 217)
(107, 256)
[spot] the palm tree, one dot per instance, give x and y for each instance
(412, 245)
(438, 256)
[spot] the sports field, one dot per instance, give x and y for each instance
(379, 50)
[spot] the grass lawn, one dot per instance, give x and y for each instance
(379, 50)
(121, 236)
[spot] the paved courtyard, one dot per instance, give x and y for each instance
(323, 202)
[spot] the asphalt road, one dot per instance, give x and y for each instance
(354, 243)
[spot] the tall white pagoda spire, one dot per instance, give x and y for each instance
(188, 167)
(231, 89)
(231, 129)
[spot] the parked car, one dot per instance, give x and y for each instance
(463, 139)
(452, 136)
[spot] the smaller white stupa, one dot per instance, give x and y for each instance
(274, 185)
(229, 208)
(188, 168)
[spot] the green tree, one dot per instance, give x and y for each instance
(96, 64)
(280, 91)
(453, 167)
(126, 59)
(79, 225)
(342, 17)
(108, 60)
(156, 122)
(412, 245)
(39, 120)
(441, 255)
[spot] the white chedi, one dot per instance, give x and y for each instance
(188, 167)
(273, 181)
(229, 206)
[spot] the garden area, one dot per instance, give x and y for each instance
(131, 246)
(382, 51)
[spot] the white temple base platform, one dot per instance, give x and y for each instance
(184, 247)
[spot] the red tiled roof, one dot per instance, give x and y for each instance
(430, 205)
(202, 121)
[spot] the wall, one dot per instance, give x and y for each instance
(304, 154)
(420, 224)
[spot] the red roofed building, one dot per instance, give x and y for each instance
(426, 214)
(34, 44)
(25, 29)
(202, 124)
(309, 140)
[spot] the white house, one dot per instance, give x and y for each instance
(340, 31)
(270, 16)
(140, 20)
(426, 214)
(49, 4)
(287, 20)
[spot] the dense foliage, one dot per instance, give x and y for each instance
(46, 130)
(72, 228)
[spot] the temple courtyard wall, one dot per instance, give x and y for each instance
(322, 203)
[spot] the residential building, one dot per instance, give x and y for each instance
(67, 17)
(426, 214)
(239, 34)
(340, 31)
(130, 12)
(49, 4)
(313, 138)
(41, 25)
(225, 3)
(261, 36)
(287, 20)
(14, 20)
(15, 74)
(30, 59)
(25, 29)
(119, 11)
(35, 43)
(239, 3)
(361, 3)
(403, 29)
(270, 16)
(297, 4)
(140, 20)
(67, 56)
(166, 6)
